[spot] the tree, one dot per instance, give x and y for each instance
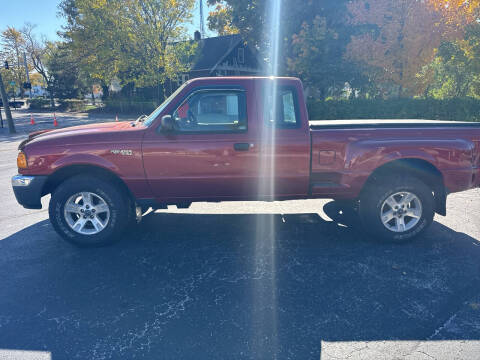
(397, 38)
(316, 43)
(131, 40)
(12, 43)
(455, 70)
(220, 20)
(64, 72)
(6, 107)
(456, 14)
(314, 38)
(311, 49)
(38, 52)
(248, 18)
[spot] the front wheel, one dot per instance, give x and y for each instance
(398, 209)
(88, 211)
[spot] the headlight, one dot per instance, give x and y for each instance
(22, 160)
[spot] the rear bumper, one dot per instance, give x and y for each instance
(28, 190)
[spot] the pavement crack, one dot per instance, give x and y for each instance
(445, 324)
(424, 353)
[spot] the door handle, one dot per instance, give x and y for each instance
(241, 146)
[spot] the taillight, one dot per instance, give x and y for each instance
(21, 160)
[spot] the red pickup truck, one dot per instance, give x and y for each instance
(240, 139)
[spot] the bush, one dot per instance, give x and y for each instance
(467, 109)
(38, 103)
(127, 106)
(72, 105)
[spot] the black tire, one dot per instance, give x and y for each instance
(114, 197)
(372, 201)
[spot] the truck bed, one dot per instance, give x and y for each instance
(379, 123)
(345, 152)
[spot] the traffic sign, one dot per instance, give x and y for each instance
(12, 83)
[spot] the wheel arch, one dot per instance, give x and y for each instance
(419, 168)
(67, 172)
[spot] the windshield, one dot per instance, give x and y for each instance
(151, 118)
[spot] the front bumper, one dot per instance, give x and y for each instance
(28, 190)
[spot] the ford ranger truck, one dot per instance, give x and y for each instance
(242, 139)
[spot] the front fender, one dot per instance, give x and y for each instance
(84, 159)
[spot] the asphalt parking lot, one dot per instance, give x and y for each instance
(215, 282)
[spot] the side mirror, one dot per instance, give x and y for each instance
(167, 124)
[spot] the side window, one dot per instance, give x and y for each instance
(212, 111)
(287, 113)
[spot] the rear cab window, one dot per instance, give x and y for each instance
(284, 100)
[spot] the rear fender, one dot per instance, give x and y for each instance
(369, 155)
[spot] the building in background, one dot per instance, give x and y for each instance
(227, 55)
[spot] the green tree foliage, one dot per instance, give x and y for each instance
(130, 40)
(317, 40)
(13, 44)
(246, 17)
(311, 50)
(220, 20)
(455, 71)
(66, 80)
(315, 35)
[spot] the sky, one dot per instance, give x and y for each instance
(44, 14)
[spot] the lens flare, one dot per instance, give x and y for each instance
(265, 325)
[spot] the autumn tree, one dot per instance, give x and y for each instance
(397, 38)
(220, 20)
(247, 17)
(457, 15)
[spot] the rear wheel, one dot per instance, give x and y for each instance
(89, 211)
(398, 209)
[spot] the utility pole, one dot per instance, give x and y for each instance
(202, 24)
(26, 71)
(6, 106)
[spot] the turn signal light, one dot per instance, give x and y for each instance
(21, 160)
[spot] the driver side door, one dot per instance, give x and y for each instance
(211, 154)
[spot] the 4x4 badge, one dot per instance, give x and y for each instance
(122, 152)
